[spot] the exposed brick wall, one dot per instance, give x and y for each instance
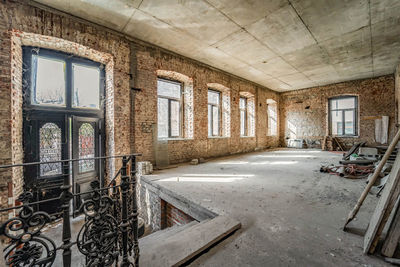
(171, 216)
(151, 60)
(375, 98)
(22, 24)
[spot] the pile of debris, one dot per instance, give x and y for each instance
(359, 162)
(386, 214)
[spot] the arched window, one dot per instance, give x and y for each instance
(175, 105)
(247, 114)
(272, 112)
(219, 110)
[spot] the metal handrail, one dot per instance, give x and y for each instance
(66, 160)
(108, 236)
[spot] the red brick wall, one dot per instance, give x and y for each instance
(125, 124)
(171, 216)
(21, 24)
(376, 97)
(148, 61)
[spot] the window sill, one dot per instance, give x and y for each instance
(175, 139)
(247, 136)
(346, 136)
(218, 137)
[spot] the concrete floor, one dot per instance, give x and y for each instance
(291, 214)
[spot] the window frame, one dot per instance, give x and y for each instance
(355, 115)
(219, 107)
(246, 133)
(69, 59)
(269, 117)
(171, 99)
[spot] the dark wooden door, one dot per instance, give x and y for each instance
(86, 143)
(45, 139)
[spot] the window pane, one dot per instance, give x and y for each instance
(50, 149)
(162, 118)
(168, 89)
(336, 121)
(242, 103)
(273, 127)
(209, 120)
(242, 122)
(343, 103)
(86, 86)
(49, 81)
(175, 118)
(349, 122)
(272, 119)
(213, 97)
(215, 121)
(86, 147)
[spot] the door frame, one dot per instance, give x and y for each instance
(35, 113)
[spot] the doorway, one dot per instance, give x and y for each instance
(63, 118)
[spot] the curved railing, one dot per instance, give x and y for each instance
(109, 235)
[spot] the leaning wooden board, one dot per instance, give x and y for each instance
(393, 235)
(383, 209)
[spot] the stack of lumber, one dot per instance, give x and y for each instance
(386, 214)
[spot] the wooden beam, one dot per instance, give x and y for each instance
(384, 207)
(393, 235)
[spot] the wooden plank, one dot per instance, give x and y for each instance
(393, 235)
(373, 178)
(179, 248)
(337, 142)
(383, 209)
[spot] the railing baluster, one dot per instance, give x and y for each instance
(124, 225)
(66, 197)
(135, 212)
(112, 208)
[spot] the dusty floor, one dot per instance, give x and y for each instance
(291, 214)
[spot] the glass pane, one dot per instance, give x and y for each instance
(242, 123)
(162, 118)
(336, 121)
(349, 122)
(343, 103)
(272, 119)
(50, 149)
(168, 89)
(213, 97)
(86, 88)
(86, 147)
(215, 121)
(49, 81)
(175, 118)
(273, 127)
(242, 103)
(209, 120)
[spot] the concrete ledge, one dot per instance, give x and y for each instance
(197, 212)
(178, 248)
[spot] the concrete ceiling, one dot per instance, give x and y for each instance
(281, 44)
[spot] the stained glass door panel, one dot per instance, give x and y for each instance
(85, 146)
(50, 149)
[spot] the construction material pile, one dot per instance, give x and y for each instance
(386, 214)
(359, 162)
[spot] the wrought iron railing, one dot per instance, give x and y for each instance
(109, 235)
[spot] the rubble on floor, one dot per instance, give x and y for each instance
(360, 162)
